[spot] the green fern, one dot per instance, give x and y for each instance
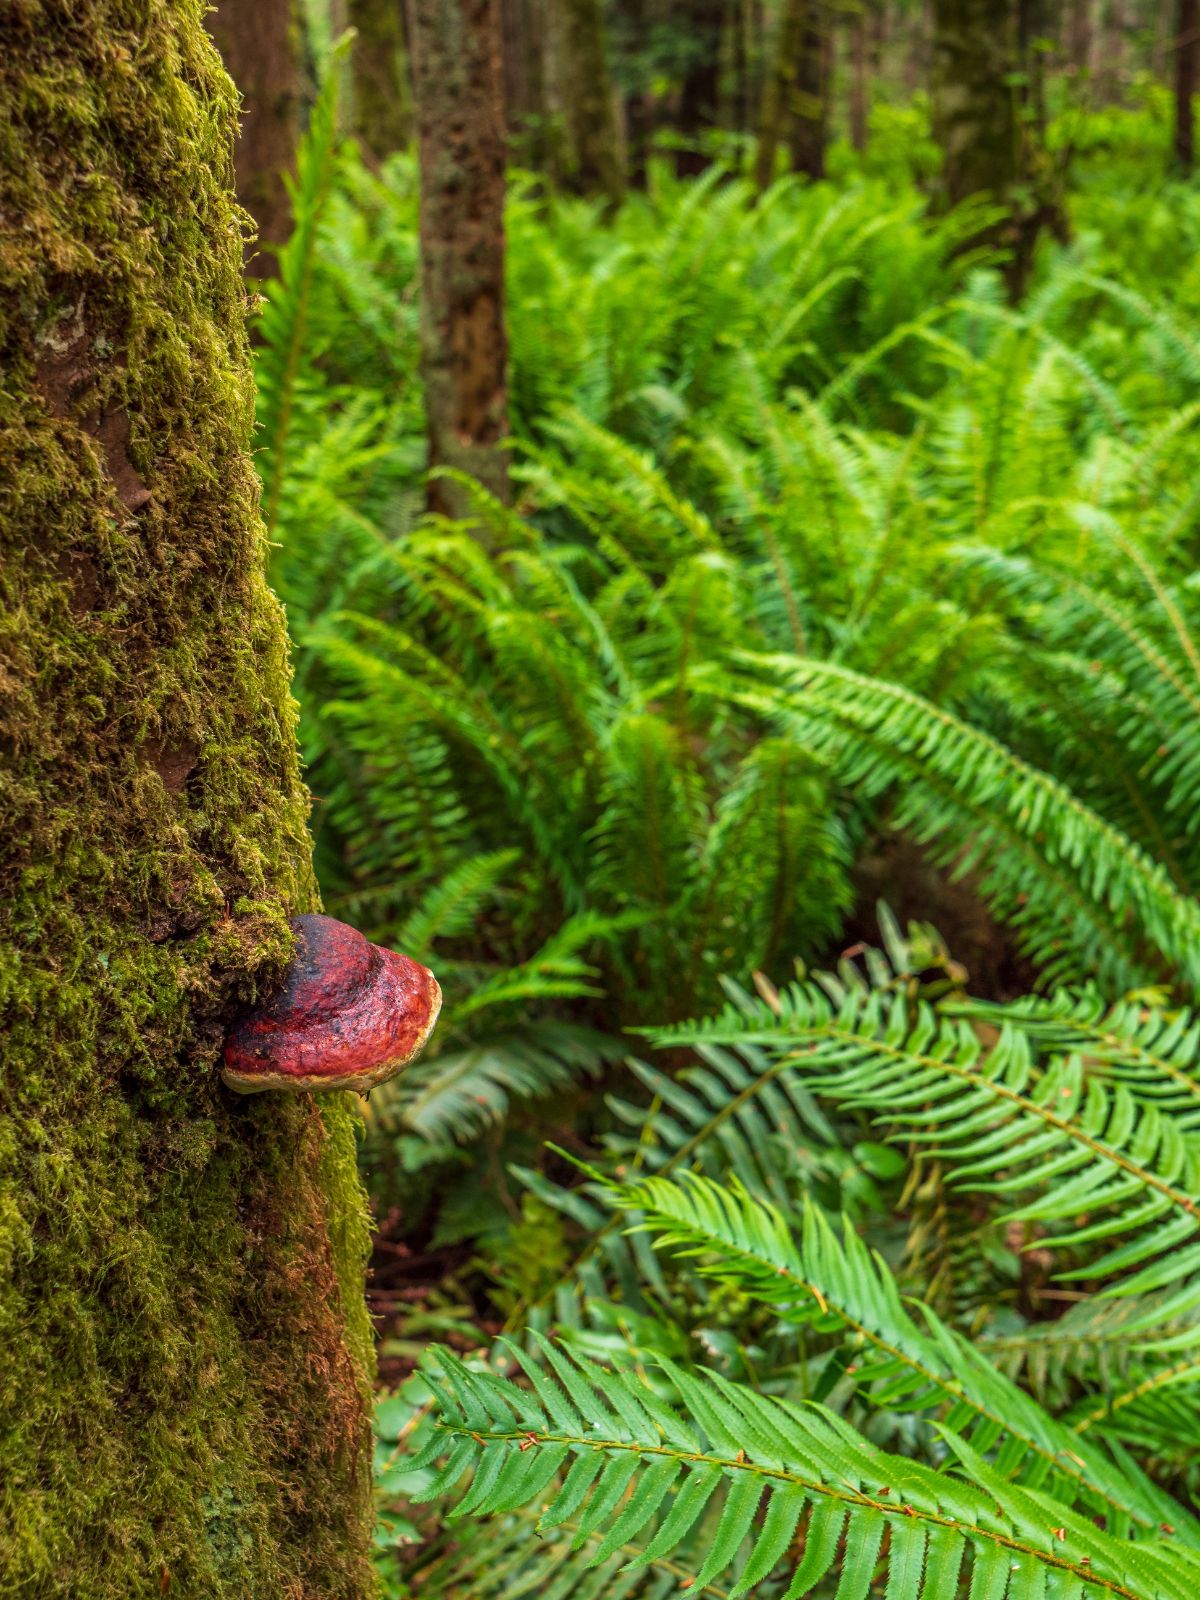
(1008, 1125)
(1083, 896)
(609, 1450)
(817, 1279)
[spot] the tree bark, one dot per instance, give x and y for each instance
(740, 67)
(778, 89)
(588, 102)
(1187, 62)
(699, 101)
(860, 80)
(524, 60)
(460, 136)
(380, 104)
(989, 118)
(808, 100)
(631, 23)
(184, 1380)
(974, 101)
(1081, 37)
(260, 43)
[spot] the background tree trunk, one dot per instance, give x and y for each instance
(1081, 36)
(261, 44)
(778, 88)
(989, 118)
(987, 125)
(860, 79)
(524, 60)
(1187, 60)
(588, 101)
(380, 103)
(460, 135)
(974, 102)
(699, 100)
(808, 100)
(185, 1371)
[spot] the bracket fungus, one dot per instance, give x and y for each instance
(350, 1015)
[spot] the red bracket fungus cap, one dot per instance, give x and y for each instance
(349, 1016)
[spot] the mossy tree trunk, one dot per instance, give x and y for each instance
(380, 104)
(974, 97)
(261, 44)
(184, 1379)
(523, 55)
(455, 48)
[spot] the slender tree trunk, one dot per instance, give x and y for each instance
(860, 82)
(639, 131)
(261, 44)
(989, 118)
(523, 57)
(699, 101)
(1187, 61)
(460, 135)
(809, 97)
(380, 104)
(185, 1345)
(974, 102)
(913, 31)
(589, 103)
(1081, 36)
(777, 89)
(1116, 52)
(639, 128)
(741, 68)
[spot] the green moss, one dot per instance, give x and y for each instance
(186, 1350)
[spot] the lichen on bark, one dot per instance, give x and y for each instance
(184, 1384)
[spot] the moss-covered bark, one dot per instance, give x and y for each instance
(185, 1350)
(975, 100)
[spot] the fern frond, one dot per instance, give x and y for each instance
(1151, 1050)
(820, 1280)
(456, 1093)
(505, 1558)
(1006, 1126)
(450, 907)
(607, 1450)
(1097, 1342)
(1083, 896)
(285, 325)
